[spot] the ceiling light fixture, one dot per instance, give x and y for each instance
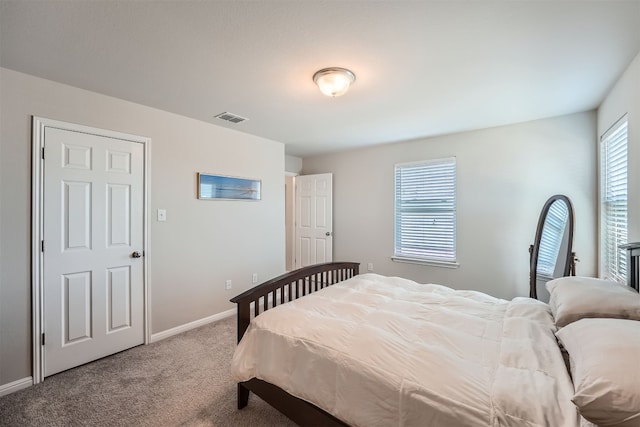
(334, 81)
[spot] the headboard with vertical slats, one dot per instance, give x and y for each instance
(633, 264)
(288, 287)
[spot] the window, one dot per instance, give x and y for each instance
(425, 212)
(613, 202)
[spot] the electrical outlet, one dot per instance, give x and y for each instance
(370, 266)
(254, 278)
(227, 285)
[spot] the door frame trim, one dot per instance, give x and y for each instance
(37, 228)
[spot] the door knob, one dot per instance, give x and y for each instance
(136, 254)
(328, 233)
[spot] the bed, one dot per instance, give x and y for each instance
(328, 346)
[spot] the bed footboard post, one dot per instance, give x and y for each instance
(244, 318)
(633, 264)
(243, 396)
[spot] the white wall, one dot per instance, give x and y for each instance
(201, 244)
(623, 98)
(292, 164)
(505, 175)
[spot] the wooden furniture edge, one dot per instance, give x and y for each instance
(633, 264)
(299, 411)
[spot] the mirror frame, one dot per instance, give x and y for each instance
(569, 264)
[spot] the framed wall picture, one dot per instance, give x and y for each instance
(221, 187)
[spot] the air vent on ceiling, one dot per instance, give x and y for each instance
(230, 117)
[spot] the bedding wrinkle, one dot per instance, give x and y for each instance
(379, 351)
(530, 356)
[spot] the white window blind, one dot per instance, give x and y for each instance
(613, 201)
(551, 239)
(425, 211)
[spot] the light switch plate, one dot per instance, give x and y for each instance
(162, 214)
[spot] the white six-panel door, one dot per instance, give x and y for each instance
(93, 226)
(314, 219)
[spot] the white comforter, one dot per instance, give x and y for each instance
(386, 351)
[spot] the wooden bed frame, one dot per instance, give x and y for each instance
(280, 290)
(307, 280)
(633, 264)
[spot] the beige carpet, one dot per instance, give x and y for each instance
(180, 381)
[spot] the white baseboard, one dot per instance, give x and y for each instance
(15, 386)
(192, 325)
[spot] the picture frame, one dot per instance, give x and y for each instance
(223, 187)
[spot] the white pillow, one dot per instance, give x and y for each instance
(604, 357)
(574, 298)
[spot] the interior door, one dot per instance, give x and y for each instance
(92, 247)
(314, 219)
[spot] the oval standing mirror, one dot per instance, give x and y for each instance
(551, 252)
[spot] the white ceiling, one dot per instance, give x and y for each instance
(423, 67)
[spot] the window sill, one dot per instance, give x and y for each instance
(432, 263)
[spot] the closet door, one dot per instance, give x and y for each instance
(93, 277)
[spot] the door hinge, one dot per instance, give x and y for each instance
(43, 338)
(41, 245)
(43, 153)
